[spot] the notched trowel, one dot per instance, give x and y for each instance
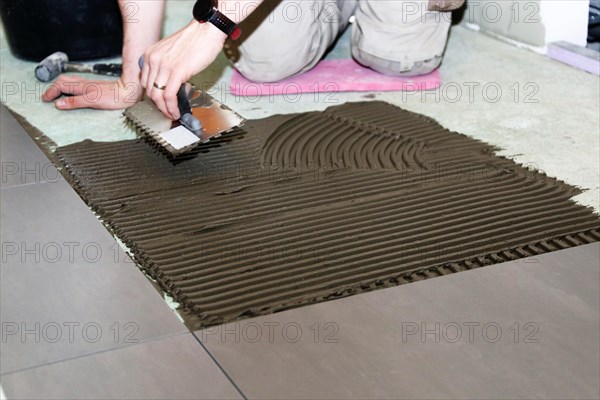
(202, 118)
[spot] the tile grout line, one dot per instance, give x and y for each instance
(95, 353)
(220, 367)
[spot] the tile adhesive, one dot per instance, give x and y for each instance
(298, 209)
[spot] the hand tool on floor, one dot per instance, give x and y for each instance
(57, 63)
(202, 118)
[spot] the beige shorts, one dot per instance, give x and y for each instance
(394, 37)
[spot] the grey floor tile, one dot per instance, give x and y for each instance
(171, 368)
(523, 329)
(66, 287)
(21, 159)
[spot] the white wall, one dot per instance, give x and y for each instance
(565, 20)
(534, 23)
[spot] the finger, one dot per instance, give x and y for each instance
(153, 62)
(158, 95)
(170, 96)
(73, 85)
(74, 102)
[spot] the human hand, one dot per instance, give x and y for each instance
(174, 60)
(86, 93)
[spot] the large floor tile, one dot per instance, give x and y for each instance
(21, 159)
(524, 329)
(172, 368)
(67, 288)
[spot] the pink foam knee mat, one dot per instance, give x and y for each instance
(344, 75)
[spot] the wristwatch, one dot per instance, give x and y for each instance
(206, 11)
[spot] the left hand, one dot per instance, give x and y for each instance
(174, 60)
(98, 94)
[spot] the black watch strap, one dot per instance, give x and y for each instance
(226, 25)
(207, 11)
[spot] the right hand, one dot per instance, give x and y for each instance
(175, 59)
(87, 93)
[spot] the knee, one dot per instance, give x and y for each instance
(265, 63)
(267, 71)
(280, 47)
(406, 67)
(413, 47)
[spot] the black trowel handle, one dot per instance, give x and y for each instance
(183, 101)
(185, 110)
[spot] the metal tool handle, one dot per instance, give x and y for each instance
(108, 69)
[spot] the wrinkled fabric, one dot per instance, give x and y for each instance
(393, 37)
(445, 5)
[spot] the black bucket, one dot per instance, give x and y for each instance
(84, 29)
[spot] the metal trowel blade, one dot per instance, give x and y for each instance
(216, 119)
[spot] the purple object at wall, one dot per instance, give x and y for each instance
(575, 56)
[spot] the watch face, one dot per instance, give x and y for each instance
(204, 9)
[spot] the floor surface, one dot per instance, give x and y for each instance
(80, 321)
